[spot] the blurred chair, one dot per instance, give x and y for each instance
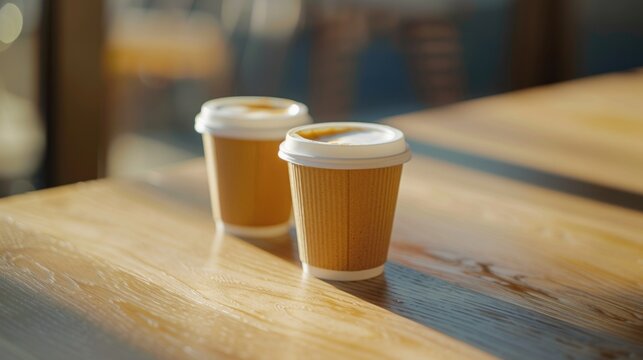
(260, 34)
(425, 32)
(543, 41)
(435, 56)
(338, 37)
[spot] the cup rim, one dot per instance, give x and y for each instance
(390, 152)
(213, 121)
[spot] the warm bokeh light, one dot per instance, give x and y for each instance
(10, 23)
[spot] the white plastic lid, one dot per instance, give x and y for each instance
(345, 145)
(251, 117)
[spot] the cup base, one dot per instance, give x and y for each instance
(256, 231)
(338, 275)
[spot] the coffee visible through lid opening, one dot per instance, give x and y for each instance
(345, 135)
(348, 145)
(251, 117)
(258, 109)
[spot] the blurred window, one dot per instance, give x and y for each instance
(22, 136)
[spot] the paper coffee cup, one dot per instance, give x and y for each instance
(344, 180)
(249, 187)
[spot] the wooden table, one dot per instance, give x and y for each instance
(589, 130)
(481, 266)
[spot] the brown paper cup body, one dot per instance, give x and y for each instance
(344, 217)
(248, 182)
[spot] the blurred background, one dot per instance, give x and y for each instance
(111, 87)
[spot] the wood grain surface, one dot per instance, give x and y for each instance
(561, 256)
(481, 265)
(545, 274)
(590, 129)
(153, 273)
(508, 250)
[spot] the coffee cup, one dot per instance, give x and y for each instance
(248, 183)
(344, 179)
